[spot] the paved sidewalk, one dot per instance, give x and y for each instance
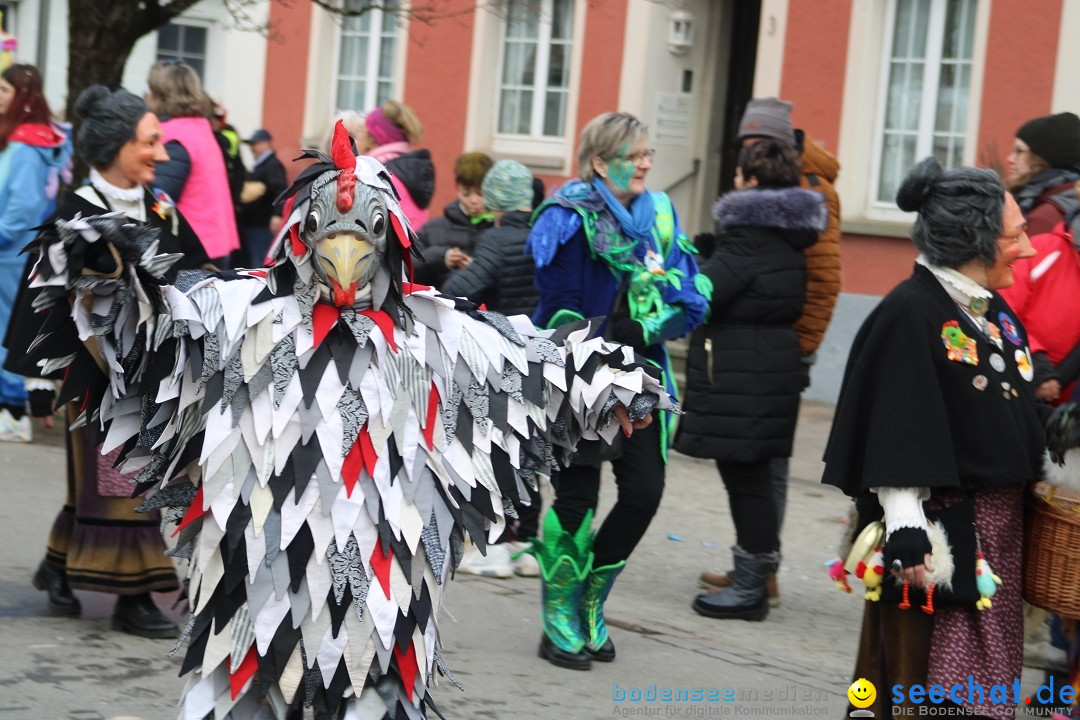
(795, 664)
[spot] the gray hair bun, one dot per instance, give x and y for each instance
(959, 212)
(108, 117)
(919, 184)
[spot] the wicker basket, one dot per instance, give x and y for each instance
(1052, 551)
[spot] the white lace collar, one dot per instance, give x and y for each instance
(960, 287)
(112, 192)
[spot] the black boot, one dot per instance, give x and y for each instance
(138, 615)
(61, 600)
(747, 597)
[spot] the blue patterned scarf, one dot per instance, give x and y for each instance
(637, 222)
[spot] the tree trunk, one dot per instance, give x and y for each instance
(100, 38)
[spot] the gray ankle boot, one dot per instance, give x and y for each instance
(747, 597)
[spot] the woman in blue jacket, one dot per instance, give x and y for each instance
(34, 153)
(604, 246)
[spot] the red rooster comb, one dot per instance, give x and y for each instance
(345, 159)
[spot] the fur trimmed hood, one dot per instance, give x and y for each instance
(785, 209)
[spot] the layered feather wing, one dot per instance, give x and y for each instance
(321, 466)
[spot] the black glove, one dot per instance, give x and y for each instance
(100, 258)
(625, 331)
(908, 545)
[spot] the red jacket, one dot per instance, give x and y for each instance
(1046, 294)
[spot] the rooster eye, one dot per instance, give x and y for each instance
(378, 225)
(312, 223)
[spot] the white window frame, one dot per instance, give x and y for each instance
(551, 156)
(935, 34)
(207, 56)
(540, 74)
(374, 52)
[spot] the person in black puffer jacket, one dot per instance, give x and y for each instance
(744, 370)
(500, 274)
(447, 242)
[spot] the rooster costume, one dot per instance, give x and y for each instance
(321, 433)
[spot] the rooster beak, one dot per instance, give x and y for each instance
(346, 258)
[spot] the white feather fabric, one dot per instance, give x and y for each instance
(942, 556)
(324, 464)
(1065, 476)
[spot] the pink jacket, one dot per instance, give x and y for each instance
(413, 213)
(206, 202)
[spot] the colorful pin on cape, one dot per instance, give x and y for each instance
(1023, 364)
(958, 346)
(979, 305)
(994, 333)
(980, 382)
(997, 362)
(1008, 326)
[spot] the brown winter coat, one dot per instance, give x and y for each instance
(820, 169)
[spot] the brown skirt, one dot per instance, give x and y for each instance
(99, 540)
(908, 647)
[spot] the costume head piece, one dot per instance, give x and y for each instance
(345, 226)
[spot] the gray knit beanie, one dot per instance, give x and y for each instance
(508, 186)
(767, 117)
(108, 117)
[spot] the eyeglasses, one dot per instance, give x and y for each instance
(1018, 151)
(638, 158)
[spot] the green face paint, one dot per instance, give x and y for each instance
(621, 172)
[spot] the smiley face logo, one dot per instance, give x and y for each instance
(862, 693)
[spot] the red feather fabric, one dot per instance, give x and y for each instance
(345, 159)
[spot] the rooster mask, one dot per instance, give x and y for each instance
(345, 226)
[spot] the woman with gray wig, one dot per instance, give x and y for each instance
(935, 436)
(98, 542)
(604, 246)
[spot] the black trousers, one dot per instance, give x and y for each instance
(753, 504)
(528, 523)
(639, 477)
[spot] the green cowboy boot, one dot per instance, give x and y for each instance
(597, 586)
(565, 561)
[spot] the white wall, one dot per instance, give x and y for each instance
(769, 65)
(1066, 95)
(236, 59)
(651, 87)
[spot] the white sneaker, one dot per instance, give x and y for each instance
(24, 431)
(12, 430)
(525, 565)
(497, 563)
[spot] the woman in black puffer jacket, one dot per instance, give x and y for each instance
(744, 370)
